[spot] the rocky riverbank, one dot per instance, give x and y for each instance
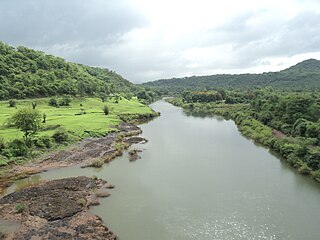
(89, 152)
(56, 209)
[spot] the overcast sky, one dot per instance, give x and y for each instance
(146, 40)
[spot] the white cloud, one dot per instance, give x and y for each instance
(152, 39)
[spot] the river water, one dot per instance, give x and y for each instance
(198, 178)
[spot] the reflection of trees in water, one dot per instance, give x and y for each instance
(203, 114)
(30, 180)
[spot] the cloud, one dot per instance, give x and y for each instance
(47, 22)
(151, 39)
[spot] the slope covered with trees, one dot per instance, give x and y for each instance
(303, 76)
(26, 73)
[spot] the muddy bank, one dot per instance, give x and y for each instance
(88, 152)
(56, 209)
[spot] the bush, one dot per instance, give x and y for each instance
(2, 144)
(12, 103)
(106, 110)
(60, 136)
(81, 201)
(97, 163)
(19, 207)
(43, 142)
(65, 101)
(18, 148)
(53, 102)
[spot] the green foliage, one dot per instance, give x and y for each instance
(43, 142)
(53, 102)
(19, 207)
(27, 120)
(97, 163)
(17, 148)
(2, 144)
(303, 76)
(34, 105)
(93, 123)
(12, 103)
(65, 101)
(106, 109)
(26, 73)
(60, 136)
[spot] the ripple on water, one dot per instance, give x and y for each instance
(231, 227)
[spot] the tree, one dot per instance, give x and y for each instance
(106, 110)
(27, 120)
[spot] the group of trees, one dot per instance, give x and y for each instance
(303, 76)
(26, 73)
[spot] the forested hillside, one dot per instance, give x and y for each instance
(26, 73)
(303, 76)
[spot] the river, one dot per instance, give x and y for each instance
(199, 178)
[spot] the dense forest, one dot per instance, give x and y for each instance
(286, 121)
(26, 73)
(303, 76)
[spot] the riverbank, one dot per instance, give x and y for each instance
(295, 151)
(56, 209)
(90, 152)
(59, 209)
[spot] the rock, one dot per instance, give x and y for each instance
(110, 186)
(57, 209)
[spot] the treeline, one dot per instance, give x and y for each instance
(26, 73)
(287, 122)
(303, 76)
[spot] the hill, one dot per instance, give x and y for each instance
(302, 76)
(26, 73)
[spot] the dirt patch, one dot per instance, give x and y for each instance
(278, 133)
(56, 209)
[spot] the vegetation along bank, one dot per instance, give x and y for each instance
(287, 122)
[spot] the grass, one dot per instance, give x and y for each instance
(70, 117)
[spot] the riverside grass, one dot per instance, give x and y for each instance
(83, 115)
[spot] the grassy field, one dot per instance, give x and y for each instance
(71, 117)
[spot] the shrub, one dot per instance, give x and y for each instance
(19, 207)
(12, 103)
(106, 110)
(43, 142)
(2, 144)
(97, 163)
(60, 136)
(53, 102)
(81, 201)
(18, 148)
(34, 104)
(65, 101)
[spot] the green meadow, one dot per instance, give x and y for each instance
(83, 115)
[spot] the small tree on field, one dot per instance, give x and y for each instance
(27, 120)
(106, 110)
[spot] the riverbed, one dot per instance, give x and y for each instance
(199, 178)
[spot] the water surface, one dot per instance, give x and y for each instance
(198, 178)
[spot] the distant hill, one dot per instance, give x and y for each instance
(303, 76)
(26, 73)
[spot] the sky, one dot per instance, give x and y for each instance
(146, 40)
